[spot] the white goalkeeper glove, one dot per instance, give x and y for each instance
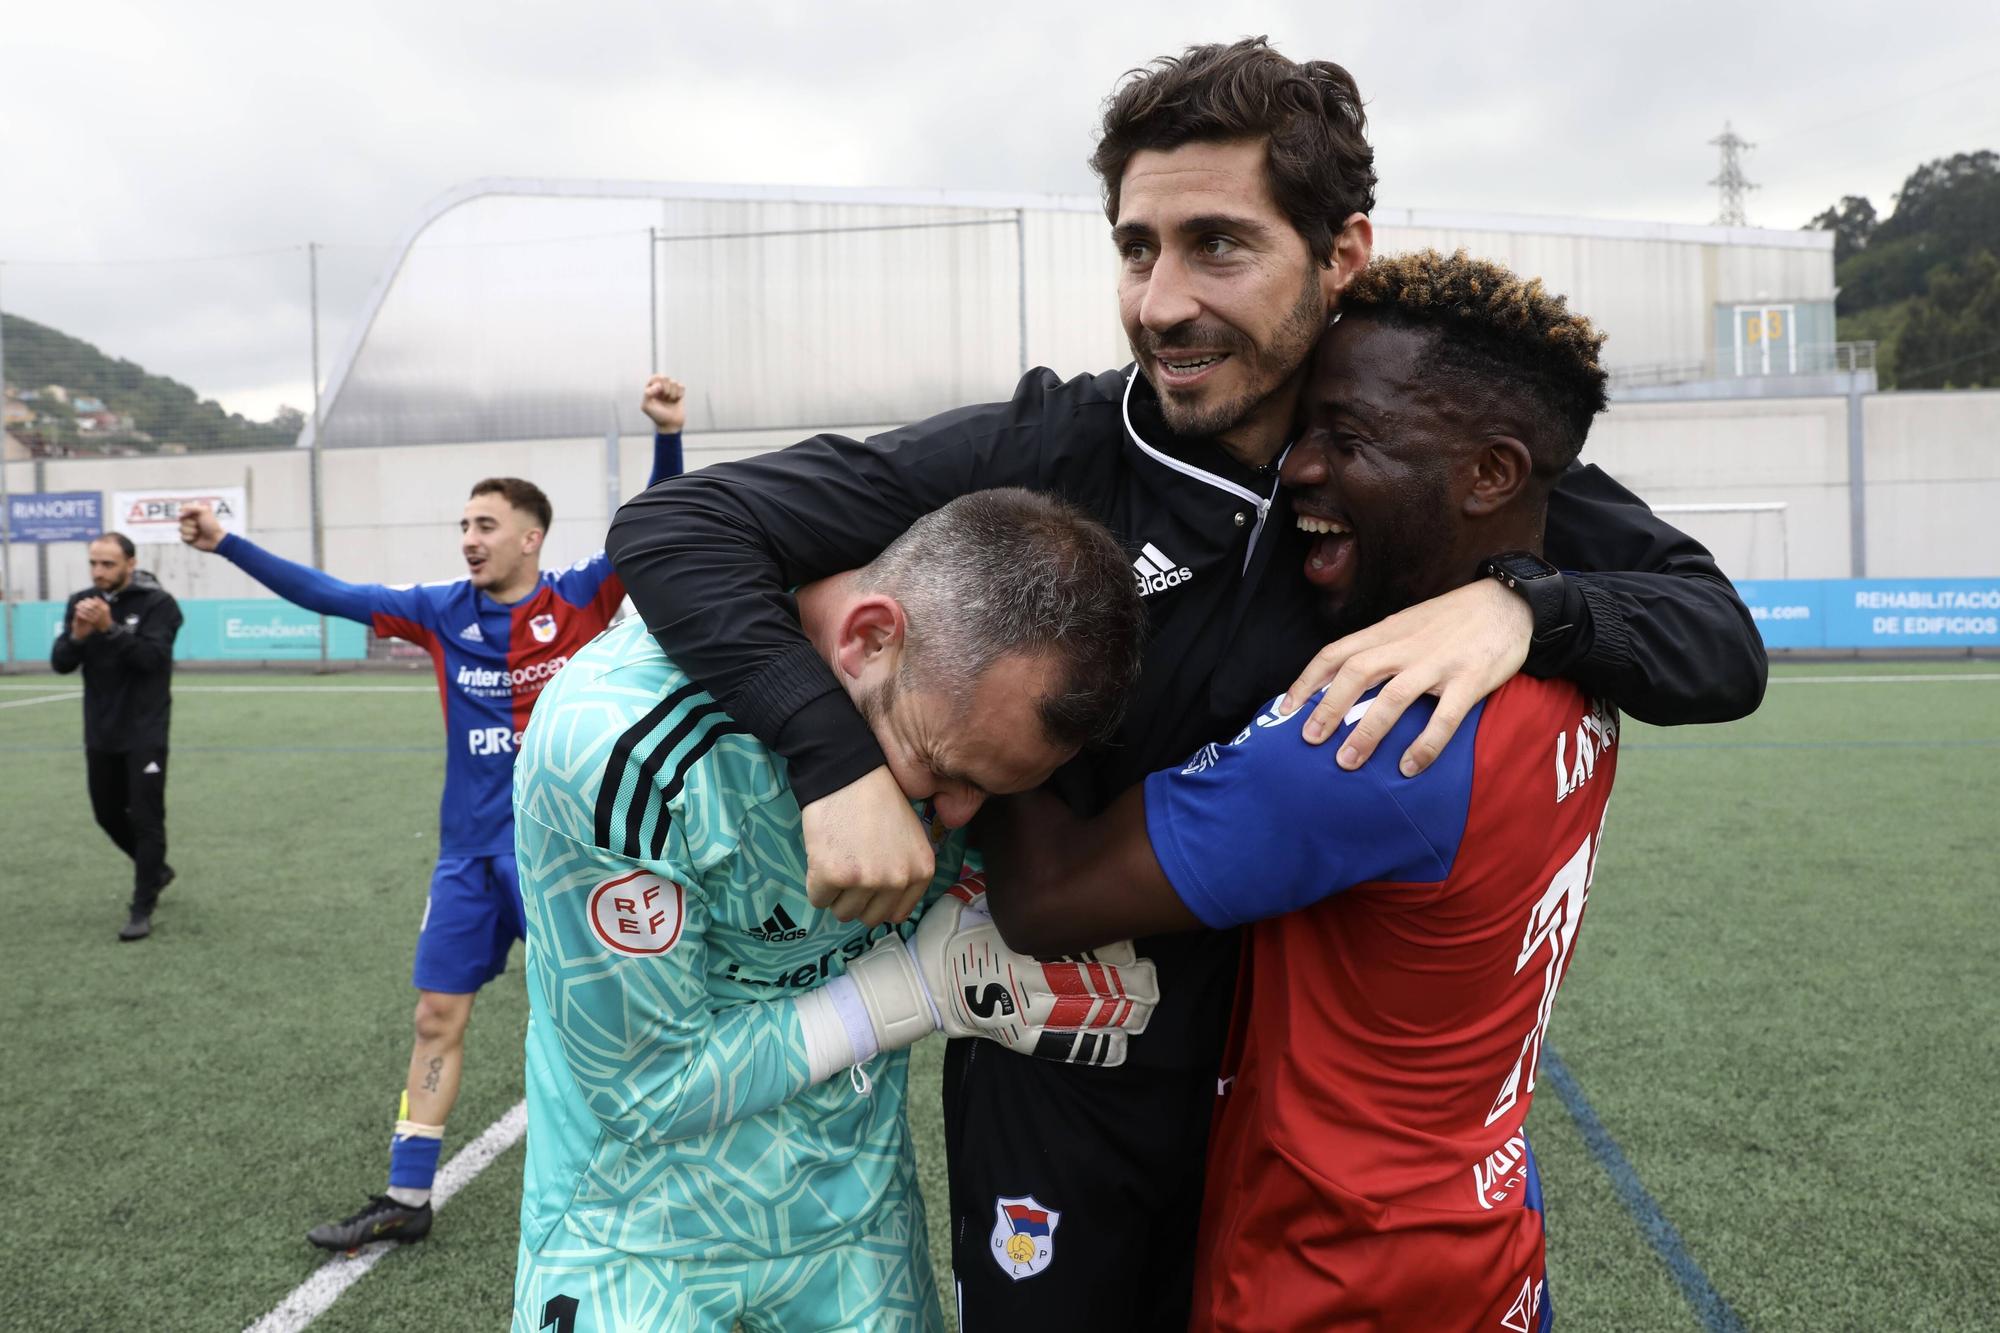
(956, 975)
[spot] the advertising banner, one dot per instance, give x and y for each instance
(1790, 613)
(249, 629)
(1875, 613)
(155, 516)
(1913, 613)
(55, 516)
(262, 629)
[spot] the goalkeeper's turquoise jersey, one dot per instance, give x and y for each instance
(663, 877)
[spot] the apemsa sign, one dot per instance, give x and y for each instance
(155, 516)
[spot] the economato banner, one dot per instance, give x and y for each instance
(155, 516)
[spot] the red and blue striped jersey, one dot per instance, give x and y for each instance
(492, 660)
(1369, 1167)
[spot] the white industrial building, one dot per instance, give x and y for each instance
(527, 310)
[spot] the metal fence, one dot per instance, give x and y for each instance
(1844, 358)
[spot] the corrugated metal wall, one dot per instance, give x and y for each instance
(529, 318)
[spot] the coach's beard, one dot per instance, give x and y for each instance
(1268, 367)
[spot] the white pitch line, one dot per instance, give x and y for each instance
(44, 699)
(1883, 680)
(313, 1297)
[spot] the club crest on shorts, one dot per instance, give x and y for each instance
(639, 913)
(543, 628)
(1023, 1236)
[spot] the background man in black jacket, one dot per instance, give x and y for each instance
(1238, 185)
(121, 630)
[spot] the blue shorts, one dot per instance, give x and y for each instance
(471, 920)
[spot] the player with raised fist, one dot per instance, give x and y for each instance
(498, 636)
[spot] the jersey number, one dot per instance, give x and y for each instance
(1552, 922)
(560, 1314)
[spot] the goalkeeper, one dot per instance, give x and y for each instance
(715, 1068)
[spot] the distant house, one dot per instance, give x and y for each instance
(100, 422)
(57, 392)
(18, 413)
(86, 407)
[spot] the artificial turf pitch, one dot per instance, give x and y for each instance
(1779, 1031)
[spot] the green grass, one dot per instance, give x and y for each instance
(1783, 1007)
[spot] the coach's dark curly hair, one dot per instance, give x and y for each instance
(1509, 338)
(1320, 166)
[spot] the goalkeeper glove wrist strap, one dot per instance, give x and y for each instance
(881, 1003)
(838, 1035)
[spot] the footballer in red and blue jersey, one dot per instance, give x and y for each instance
(492, 660)
(1405, 928)
(1369, 1167)
(495, 639)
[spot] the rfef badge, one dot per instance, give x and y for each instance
(638, 913)
(1023, 1236)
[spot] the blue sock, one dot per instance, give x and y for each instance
(413, 1161)
(413, 1157)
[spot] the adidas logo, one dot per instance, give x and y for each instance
(153, 767)
(1157, 572)
(471, 633)
(777, 928)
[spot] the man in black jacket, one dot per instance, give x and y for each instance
(121, 630)
(1238, 184)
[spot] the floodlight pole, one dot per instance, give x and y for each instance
(1857, 481)
(1021, 288)
(6, 515)
(41, 483)
(612, 489)
(312, 464)
(653, 297)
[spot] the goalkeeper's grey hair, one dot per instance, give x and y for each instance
(1008, 571)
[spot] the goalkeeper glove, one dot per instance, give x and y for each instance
(956, 975)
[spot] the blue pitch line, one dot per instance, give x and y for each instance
(1714, 1312)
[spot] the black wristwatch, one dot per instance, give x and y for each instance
(1539, 583)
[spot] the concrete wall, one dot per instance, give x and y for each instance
(1932, 464)
(391, 513)
(1791, 450)
(1933, 470)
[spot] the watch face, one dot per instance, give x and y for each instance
(1523, 565)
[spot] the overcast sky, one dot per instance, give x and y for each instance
(200, 128)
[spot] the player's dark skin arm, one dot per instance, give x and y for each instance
(1057, 884)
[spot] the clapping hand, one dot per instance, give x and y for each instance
(92, 614)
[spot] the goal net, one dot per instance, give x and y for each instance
(1749, 538)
